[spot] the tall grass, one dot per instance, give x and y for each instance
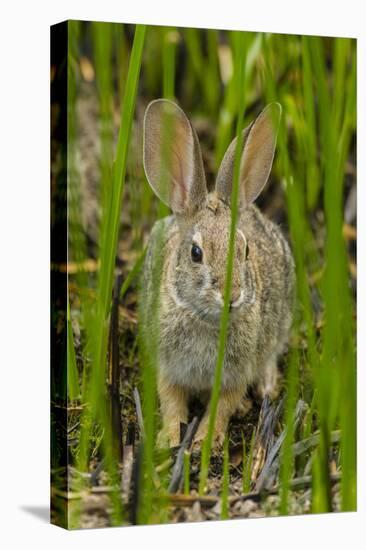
(170, 37)
(102, 45)
(94, 391)
(314, 80)
(331, 360)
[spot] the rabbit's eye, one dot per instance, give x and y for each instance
(196, 254)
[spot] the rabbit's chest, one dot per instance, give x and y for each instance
(189, 356)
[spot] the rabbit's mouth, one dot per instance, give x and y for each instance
(211, 310)
(209, 305)
(237, 301)
(208, 314)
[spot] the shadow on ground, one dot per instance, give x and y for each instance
(40, 512)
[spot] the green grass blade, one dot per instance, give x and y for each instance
(212, 73)
(170, 38)
(119, 170)
(313, 181)
(348, 420)
(286, 462)
(102, 45)
(132, 274)
(225, 482)
(224, 321)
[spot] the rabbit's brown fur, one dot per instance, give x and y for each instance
(191, 294)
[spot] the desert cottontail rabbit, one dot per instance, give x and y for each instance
(192, 247)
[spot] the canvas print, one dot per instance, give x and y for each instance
(203, 274)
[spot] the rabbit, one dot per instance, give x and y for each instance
(187, 255)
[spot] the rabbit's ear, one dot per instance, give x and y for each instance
(259, 143)
(172, 157)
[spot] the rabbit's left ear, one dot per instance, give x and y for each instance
(259, 145)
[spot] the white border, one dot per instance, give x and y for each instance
(24, 219)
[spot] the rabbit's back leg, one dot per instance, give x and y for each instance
(174, 411)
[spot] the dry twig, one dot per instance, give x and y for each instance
(177, 474)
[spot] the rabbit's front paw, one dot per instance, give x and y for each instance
(168, 437)
(200, 435)
(218, 437)
(173, 401)
(245, 406)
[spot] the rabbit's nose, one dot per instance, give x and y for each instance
(235, 298)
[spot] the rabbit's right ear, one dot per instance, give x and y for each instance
(172, 157)
(259, 143)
